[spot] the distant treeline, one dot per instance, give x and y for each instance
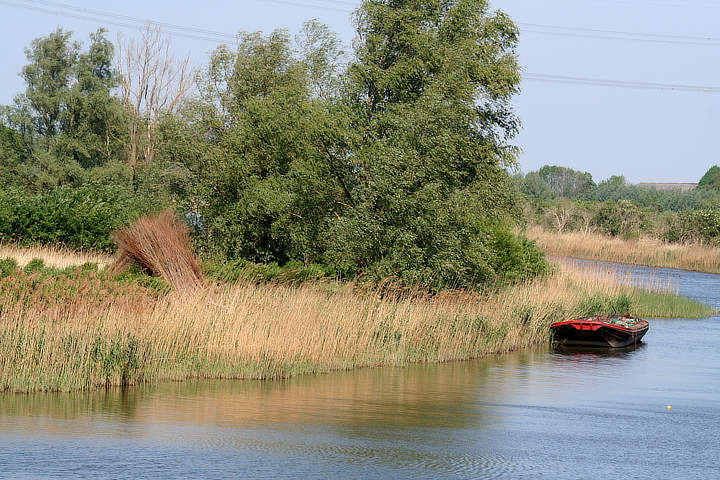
(388, 162)
(564, 199)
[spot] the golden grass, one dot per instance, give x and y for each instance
(159, 244)
(52, 256)
(642, 251)
(272, 331)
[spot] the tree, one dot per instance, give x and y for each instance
(153, 82)
(12, 154)
(271, 176)
(711, 179)
(430, 94)
(621, 218)
(534, 186)
(566, 182)
(560, 215)
(67, 118)
(92, 122)
(52, 64)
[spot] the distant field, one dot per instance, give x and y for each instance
(52, 256)
(643, 251)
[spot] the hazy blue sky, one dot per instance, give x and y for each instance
(648, 135)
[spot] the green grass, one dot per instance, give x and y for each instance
(668, 305)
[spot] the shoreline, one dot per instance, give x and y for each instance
(645, 252)
(79, 329)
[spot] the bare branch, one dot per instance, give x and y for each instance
(153, 82)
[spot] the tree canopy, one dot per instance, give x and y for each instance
(711, 179)
(392, 164)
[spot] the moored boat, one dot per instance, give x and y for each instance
(600, 331)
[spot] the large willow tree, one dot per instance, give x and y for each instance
(395, 167)
(430, 91)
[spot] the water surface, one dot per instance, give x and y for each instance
(539, 414)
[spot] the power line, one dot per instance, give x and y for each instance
(621, 38)
(308, 5)
(117, 20)
(556, 30)
(619, 34)
(169, 26)
(541, 77)
(663, 3)
(217, 37)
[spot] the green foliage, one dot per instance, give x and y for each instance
(566, 182)
(395, 172)
(13, 153)
(617, 208)
(552, 182)
(68, 119)
(616, 188)
(395, 167)
(8, 266)
(535, 187)
(601, 303)
(48, 74)
(620, 218)
(711, 179)
(81, 217)
(694, 226)
(34, 265)
(430, 96)
(244, 271)
(135, 275)
(272, 173)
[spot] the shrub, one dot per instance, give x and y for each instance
(694, 226)
(81, 218)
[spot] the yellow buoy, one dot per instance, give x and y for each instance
(668, 407)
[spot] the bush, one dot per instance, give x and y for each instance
(81, 218)
(694, 226)
(621, 218)
(291, 272)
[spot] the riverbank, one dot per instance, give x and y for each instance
(80, 329)
(650, 252)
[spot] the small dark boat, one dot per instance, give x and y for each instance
(600, 331)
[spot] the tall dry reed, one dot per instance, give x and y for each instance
(160, 245)
(641, 251)
(58, 257)
(271, 331)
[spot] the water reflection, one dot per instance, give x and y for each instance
(534, 414)
(597, 352)
(421, 395)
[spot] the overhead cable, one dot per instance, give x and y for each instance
(541, 77)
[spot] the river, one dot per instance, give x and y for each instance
(532, 414)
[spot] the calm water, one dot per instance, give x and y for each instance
(543, 414)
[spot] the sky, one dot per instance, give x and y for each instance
(661, 134)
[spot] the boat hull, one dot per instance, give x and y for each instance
(592, 333)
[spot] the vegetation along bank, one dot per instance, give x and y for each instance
(349, 210)
(81, 328)
(567, 214)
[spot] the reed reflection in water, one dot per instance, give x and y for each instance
(536, 414)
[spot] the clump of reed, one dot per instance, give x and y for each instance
(55, 293)
(159, 244)
(54, 256)
(639, 251)
(251, 330)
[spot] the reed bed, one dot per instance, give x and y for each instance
(160, 245)
(274, 331)
(642, 251)
(58, 257)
